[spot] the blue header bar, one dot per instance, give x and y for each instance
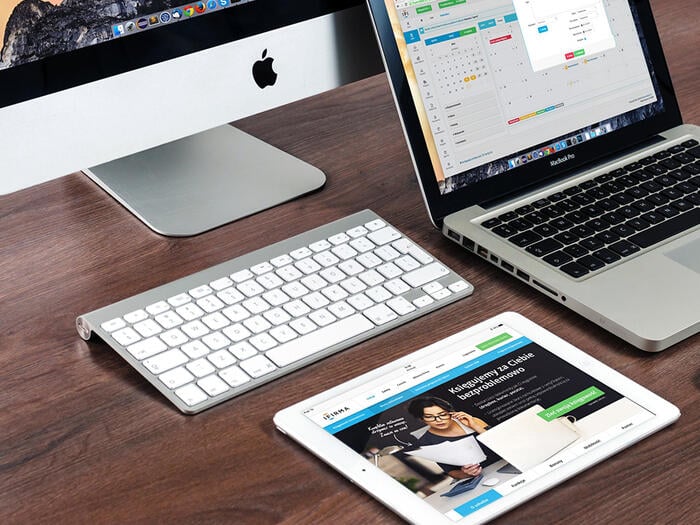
(420, 388)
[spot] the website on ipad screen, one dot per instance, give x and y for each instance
(481, 417)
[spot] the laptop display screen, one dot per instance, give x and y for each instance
(500, 86)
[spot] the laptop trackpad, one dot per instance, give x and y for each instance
(688, 255)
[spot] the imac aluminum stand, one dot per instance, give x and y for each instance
(206, 180)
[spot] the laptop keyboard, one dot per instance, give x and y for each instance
(600, 221)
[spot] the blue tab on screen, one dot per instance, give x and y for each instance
(412, 36)
(477, 503)
(487, 23)
(510, 18)
(542, 29)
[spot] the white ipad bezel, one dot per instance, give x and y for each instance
(292, 422)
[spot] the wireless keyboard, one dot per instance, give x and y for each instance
(218, 333)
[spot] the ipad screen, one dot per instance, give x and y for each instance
(477, 420)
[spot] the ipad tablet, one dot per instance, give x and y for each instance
(540, 409)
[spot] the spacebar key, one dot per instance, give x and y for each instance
(321, 339)
(667, 229)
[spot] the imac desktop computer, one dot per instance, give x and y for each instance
(139, 93)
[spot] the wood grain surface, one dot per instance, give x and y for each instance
(84, 439)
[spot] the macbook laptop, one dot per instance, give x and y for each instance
(547, 139)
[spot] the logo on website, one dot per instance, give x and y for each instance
(330, 416)
(188, 10)
(177, 14)
(200, 7)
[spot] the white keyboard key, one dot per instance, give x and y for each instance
(389, 270)
(387, 253)
(295, 290)
(378, 294)
(201, 367)
(200, 291)
(458, 286)
(296, 308)
(371, 278)
(136, 316)
(334, 293)
(179, 299)
(195, 349)
(242, 276)
(403, 245)
(262, 268)
(369, 260)
(351, 267)
(407, 263)
(301, 253)
(400, 305)
(319, 340)
(384, 236)
(322, 317)
(380, 314)
(213, 385)
(282, 260)
(210, 303)
(236, 313)
(420, 255)
(360, 301)
(165, 361)
(113, 324)
(158, 308)
(423, 300)
(263, 342)
(234, 376)
(216, 321)
(191, 394)
(442, 294)
(344, 251)
(256, 305)
(315, 300)
(353, 285)
(362, 245)
(396, 286)
(220, 284)
(148, 328)
(357, 231)
(250, 288)
(326, 259)
(221, 358)
(169, 320)
(376, 224)
(190, 312)
(174, 337)
(283, 333)
(320, 246)
(424, 275)
(243, 351)
(307, 266)
(289, 273)
(339, 238)
(195, 329)
(176, 377)
(314, 282)
(269, 281)
(432, 287)
(303, 325)
(258, 366)
(276, 297)
(216, 340)
(237, 332)
(257, 324)
(341, 309)
(147, 348)
(277, 316)
(333, 275)
(126, 336)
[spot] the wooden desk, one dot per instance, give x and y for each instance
(84, 439)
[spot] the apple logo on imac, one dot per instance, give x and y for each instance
(263, 74)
